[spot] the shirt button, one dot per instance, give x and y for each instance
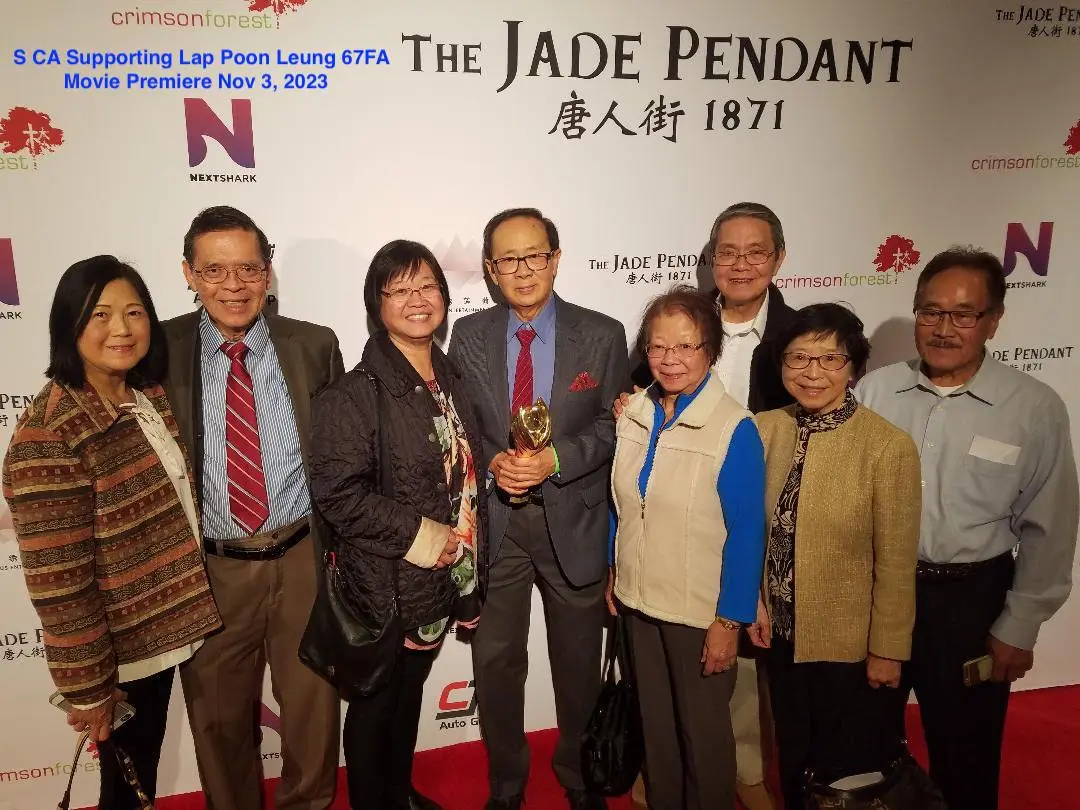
(924, 484)
(929, 444)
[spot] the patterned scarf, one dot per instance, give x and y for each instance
(460, 472)
(780, 554)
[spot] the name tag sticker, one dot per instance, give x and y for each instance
(993, 450)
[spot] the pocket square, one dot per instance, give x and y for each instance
(583, 382)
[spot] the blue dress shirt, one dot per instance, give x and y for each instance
(283, 465)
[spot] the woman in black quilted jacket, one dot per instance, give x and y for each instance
(423, 531)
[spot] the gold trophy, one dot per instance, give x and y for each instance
(531, 431)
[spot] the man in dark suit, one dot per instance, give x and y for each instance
(575, 360)
(746, 248)
(240, 383)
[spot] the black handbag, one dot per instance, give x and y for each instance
(127, 768)
(344, 641)
(612, 746)
(906, 786)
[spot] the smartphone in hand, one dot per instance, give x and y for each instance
(978, 670)
(122, 712)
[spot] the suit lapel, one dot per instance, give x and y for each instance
(185, 352)
(496, 352)
(566, 359)
(295, 371)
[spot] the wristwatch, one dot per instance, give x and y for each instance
(728, 624)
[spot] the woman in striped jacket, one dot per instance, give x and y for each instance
(104, 510)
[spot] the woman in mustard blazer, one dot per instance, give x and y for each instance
(843, 499)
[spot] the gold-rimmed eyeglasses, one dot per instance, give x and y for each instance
(682, 351)
(403, 295)
(217, 273)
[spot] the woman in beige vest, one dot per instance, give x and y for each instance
(687, 548)
(843, 500)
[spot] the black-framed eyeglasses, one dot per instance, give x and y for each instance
(508, 265)
(729, 258)
(826, 362)
(216, 273)
(403, 295)
(682, 351)
(961, 318)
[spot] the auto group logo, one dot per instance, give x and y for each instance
(896, 253)
(457, 705)
(463, 265)
(238, 140)
(27, 135)
(1029, 162)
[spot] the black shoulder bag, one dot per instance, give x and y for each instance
(612, 746)
(343, 643)
(906, 786)
(127, 768)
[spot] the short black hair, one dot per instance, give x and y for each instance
(695, 305)
(751, 210)
(824, 320)
(224, 218)
(394, 260)
(514, 213)
(969, 258)
(77, 293)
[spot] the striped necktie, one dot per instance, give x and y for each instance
(523, 372)
(243, 455)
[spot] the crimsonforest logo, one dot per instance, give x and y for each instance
(1026, 162)
(264, 15)
(238, 141)
(897, 253)
(277, 7)
(27, 133)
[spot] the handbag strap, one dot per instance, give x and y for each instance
(386, 474)
(617, 649)
(127, 768)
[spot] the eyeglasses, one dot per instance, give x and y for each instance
(402, 295)
(961, 319)
(216, 273)
(682, 351)
(729, 258)
(508, 265)
(826, 362)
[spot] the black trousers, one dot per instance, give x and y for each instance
(964, 725)
(575, 621)
(380, 736)
(829, 719)
(141, 737)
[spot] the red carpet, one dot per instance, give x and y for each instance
(1039, 771)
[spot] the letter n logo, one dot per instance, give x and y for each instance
(203, 123)
(1018, 241)
(9, 285)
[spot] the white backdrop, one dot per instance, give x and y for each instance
(880, 133)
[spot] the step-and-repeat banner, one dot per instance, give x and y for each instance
(879, 132)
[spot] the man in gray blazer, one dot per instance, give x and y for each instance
(575, 359)
(240, 383)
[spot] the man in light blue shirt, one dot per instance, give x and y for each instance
(998, 476)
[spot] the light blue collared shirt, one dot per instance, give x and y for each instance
(542, 348)
(283, 465)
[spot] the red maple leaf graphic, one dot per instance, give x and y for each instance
(279, 7)
(30, 130)
(1072, 143)
(897, 253)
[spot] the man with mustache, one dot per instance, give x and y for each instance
(998, 475)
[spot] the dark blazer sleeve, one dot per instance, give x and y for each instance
(464, 340)
(345, 475)
(594, 447)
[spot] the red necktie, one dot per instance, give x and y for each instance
(523, 373)
(243, 455)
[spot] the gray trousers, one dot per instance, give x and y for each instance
(575, 619)
(686, 718)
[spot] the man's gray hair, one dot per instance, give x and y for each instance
(755, 211)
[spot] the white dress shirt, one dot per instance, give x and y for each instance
(733, 365)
